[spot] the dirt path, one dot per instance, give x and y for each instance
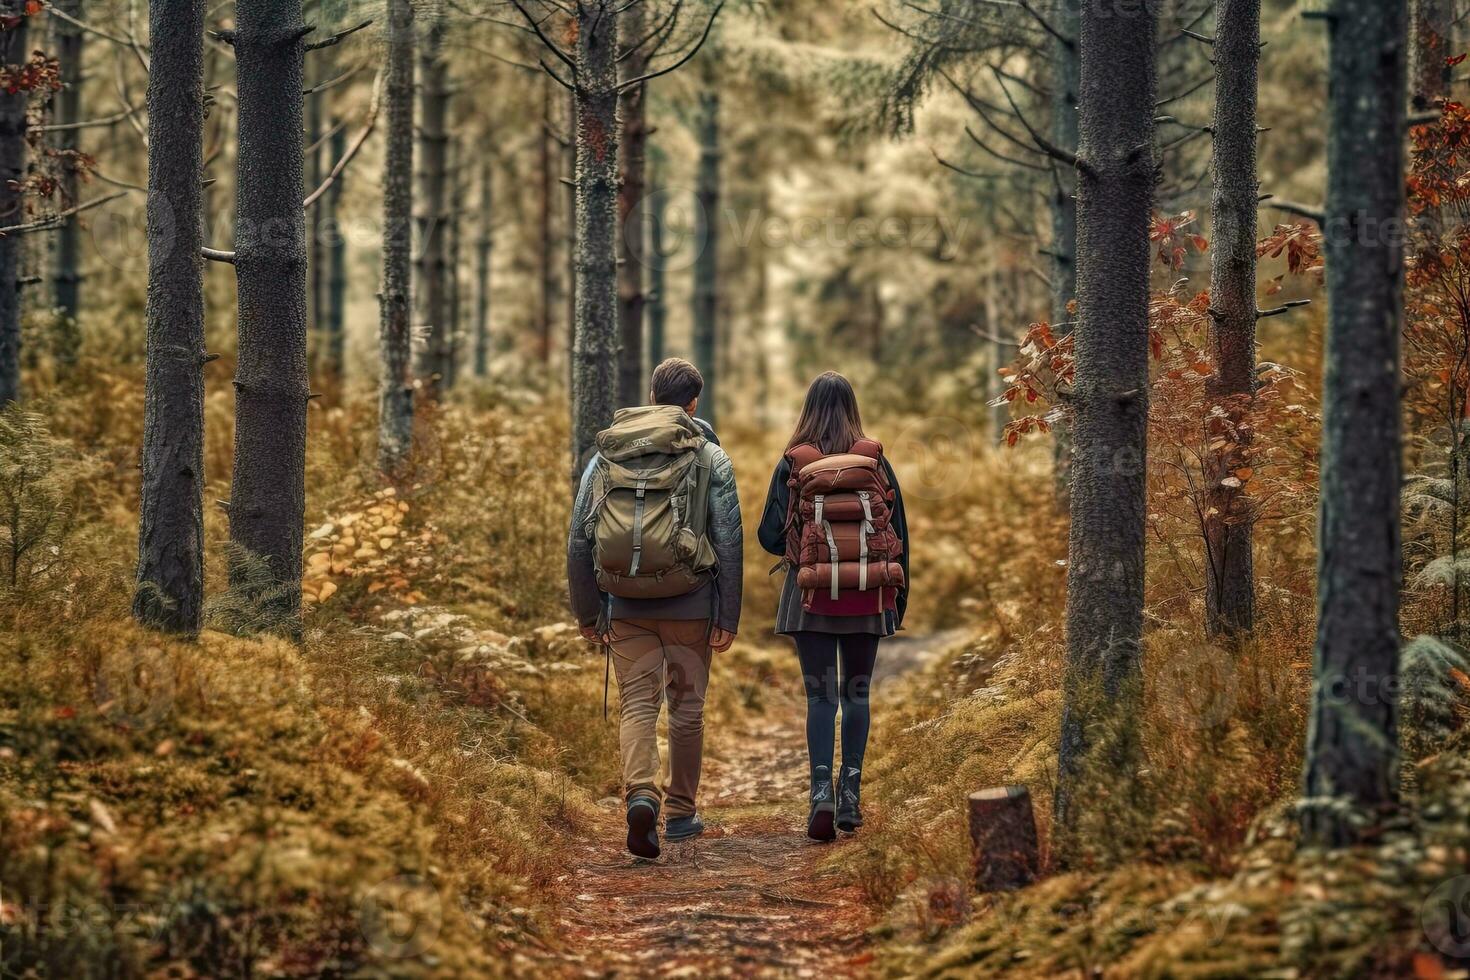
(752, 897)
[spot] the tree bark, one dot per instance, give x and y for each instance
(170, 572)
(395, 383)
(1116, 175)
(632, 385)
(431, 289)
(483, 251)
(268, 489)
(67, 270)
(1430, 33)
(594, 389)
(336, 313)
(1066, 83)
(707, 241)
(1229, 566)
(1351, 769)
(13, 51)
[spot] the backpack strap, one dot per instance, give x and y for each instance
(704, 468)
(801, 456)
(871, 448)
(638, 505)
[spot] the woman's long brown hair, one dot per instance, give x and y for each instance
(829, 417)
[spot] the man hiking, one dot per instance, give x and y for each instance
(654, 564)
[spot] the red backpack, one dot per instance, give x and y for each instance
(838, 535)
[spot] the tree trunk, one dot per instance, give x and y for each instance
(594, 389)
(548, 249)
(707, 241)
(268, 489)
(1110, 400)
(1351, 770)
(1430, 33)
(632, 385)
(395, 383)
(316, 251)
(336, 313)
(452, 333)
(1000, 354)
(1229, 572)
(431, 289)
(13, 106)
(1066, 82)
(569, 151)
(483, 251)
(170, 573)
(67, 269)
(1005, 854)
(658, 306)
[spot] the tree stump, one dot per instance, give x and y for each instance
(1003, 838)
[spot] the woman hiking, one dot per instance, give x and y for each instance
(835, 514)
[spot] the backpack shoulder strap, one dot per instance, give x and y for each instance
(803, 455)
(871, 448)
(704, 468)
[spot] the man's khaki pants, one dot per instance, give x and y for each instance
(658, 659)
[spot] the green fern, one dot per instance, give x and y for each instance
(1429, 699)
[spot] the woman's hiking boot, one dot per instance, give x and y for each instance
(643, 827)
(683, 828)
(820, 822)
(849, 800)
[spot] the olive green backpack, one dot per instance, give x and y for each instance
(650, 504)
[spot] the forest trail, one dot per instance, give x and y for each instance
(752, 897)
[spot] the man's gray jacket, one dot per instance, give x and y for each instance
(718, 600)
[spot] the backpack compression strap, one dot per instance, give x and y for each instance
(638, 528)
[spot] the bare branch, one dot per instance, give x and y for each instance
(47, 222)
(1307, 211)
(1046, 145)
(555, 48)
(335, 39)
(353, 148)
(1046, 25)
(1283, 308)
(709, 26)
(112, 120)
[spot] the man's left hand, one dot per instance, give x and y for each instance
(720, 640)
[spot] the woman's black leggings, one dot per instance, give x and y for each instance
(821, 656)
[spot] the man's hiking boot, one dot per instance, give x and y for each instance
(683, 828)
(819, 823)
(643, 827)
(849, 800)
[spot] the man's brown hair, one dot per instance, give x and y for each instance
(676, 382)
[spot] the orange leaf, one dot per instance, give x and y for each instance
(1427, 966)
